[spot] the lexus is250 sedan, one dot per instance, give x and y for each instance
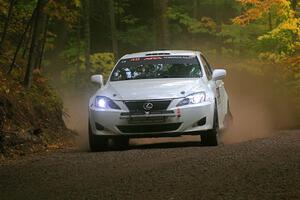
(159, 94)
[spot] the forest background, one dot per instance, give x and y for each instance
(49, 48)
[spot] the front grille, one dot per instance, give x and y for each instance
(138, 106)
(153, 128)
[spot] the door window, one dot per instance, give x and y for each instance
(207, 68)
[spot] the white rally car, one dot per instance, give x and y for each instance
(159, 94)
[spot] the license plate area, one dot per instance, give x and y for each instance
(146, 120)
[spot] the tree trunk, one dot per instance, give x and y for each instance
(9, 14)
(27, 42)
(195, 9)
(294, 4)
(78, 35)
(161, 24)
(41, 33)
(29, 24)
(218, 30)
(113, 28)
(62, 36)
(87, 34)
(33, 52)
(44, 40)
(270, 22)
(195, 16)
(154, 25)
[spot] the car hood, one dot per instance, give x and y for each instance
(152, 88)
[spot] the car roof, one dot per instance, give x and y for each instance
(162, 53)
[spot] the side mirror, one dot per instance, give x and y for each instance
(219, 74)
(97, 79)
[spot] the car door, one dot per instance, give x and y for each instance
(219, 90)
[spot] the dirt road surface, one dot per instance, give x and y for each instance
(266, 168)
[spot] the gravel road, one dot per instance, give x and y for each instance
(266, 168)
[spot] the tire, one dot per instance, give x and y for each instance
(210, 138)
(121, 142)
(97, 143)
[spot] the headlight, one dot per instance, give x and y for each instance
(104, 102)
(193, 99)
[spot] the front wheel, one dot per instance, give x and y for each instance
(210, 138)
(121, 142)
(97, 143)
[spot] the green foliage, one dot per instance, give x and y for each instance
(44, 96)
(67, 11)
(31, 107)
(72, 53)
(242, 38)
(205, 25)
(129, 37)
(102, 63)
(76, 73)
(77, 3)
(282, 41)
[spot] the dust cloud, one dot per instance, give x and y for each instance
(76, 107)
(257, 110)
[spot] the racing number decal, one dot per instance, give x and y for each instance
(135, 59)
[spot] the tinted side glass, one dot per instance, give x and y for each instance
(207, 67)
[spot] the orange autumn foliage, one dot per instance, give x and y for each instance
(257, 8)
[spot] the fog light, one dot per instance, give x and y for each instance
(99, 127)
(202, 121)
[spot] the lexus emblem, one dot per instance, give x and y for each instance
(148, 106)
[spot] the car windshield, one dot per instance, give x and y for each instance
(157, 67)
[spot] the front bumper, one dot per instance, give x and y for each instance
(175, 121)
